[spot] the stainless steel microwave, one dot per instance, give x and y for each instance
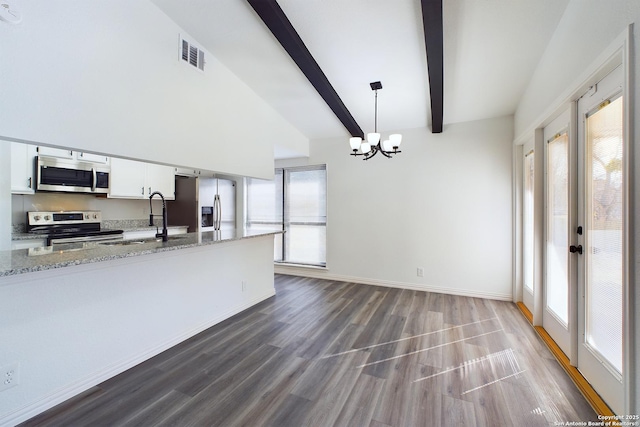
(54, 174)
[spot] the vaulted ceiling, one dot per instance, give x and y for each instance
(491, 48)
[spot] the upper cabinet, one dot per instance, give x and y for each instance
(55, 152)
(190, 172)
(90, 157)
(161, 178)
(74, 155)
(22, 168)
(131, 179)
(127, 179)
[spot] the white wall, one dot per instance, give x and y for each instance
(584, 33)
(5, 197)
(74, 327)
(104, 76)
(586, 29)
(444, 204)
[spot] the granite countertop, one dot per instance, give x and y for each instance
(36, 259)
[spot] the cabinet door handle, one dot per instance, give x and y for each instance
(30, 181)
(142, 191)
(149, 190)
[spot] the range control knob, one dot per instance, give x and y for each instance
(95, 216)
(36, 217)
(86, 216)
(47, 217)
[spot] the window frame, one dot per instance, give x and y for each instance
(281, 175)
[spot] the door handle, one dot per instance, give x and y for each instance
(573, 249)
(94, 183)
(217, 212)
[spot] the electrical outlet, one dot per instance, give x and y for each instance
(420, 272)
(9, 376)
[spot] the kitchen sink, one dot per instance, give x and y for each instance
(139, 241)
(159, 239)
(122, 242)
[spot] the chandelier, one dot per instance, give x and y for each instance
(372, 145)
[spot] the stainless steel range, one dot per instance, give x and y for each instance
(70, 227)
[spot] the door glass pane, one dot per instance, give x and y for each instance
(527, 223)
(557, 277)
(604, 249)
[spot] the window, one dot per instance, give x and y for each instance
(296, 202)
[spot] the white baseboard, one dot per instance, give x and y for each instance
(77, 387)
(325, 274)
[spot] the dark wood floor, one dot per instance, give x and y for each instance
(324, 353)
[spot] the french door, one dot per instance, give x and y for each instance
(528, 225)
(559, 277)
(598, 243)
(584, 251)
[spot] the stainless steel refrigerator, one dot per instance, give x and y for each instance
(217, 204)
(203, 204)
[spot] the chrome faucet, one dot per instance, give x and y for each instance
(165, 233)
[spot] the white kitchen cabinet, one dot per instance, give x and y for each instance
(73, 155)
(187, 172)
(131, 179)
(127, 179)
(195, 173)
(55, 152)
(160, 178)
(90, 157)
(23, 168)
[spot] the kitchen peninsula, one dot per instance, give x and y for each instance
(80, 315)
(64, 255)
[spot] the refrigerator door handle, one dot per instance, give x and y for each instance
(217, 212)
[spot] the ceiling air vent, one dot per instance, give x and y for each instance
(191, 54)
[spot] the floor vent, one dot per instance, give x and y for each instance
(191, 54)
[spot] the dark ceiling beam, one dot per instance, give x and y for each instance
(434, 42)
(275, 19)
